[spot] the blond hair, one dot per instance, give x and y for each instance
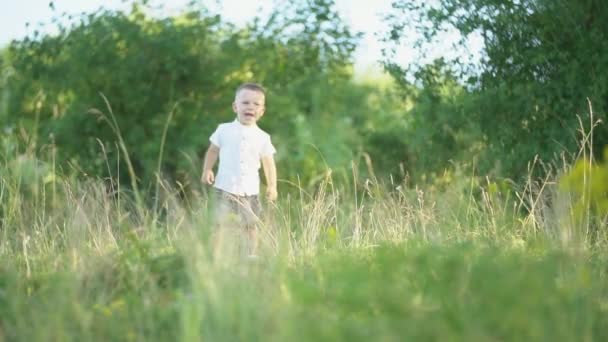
(251, 86)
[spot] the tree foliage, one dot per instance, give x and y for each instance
(542, 60)
(169, 81)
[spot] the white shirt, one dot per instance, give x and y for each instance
(241, 149)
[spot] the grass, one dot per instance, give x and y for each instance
(462, 264)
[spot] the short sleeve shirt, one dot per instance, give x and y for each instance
(241, 150)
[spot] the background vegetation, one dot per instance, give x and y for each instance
(533, 83)
(459, 201)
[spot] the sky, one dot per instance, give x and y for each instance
(361, 15)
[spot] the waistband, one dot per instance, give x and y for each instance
(231, 195)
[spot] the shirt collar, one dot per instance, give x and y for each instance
(239, 124)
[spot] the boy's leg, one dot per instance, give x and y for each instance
(252, 241)
(250, 216)
(226, 223)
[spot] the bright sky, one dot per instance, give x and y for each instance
(361, 15)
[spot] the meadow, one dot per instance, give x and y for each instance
(369, 261)
(486, 220)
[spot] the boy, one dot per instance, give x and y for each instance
(241, 145)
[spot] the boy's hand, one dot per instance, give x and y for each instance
(271, 194)
(208, 177)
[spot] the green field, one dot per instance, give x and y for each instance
(459, 196)
(378, 266)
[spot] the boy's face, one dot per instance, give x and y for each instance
(249, 106)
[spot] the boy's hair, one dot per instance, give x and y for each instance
(251, 86)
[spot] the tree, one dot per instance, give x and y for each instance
(177, 71)
(542, 59)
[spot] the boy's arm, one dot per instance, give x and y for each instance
(270, 171)
(210, 158)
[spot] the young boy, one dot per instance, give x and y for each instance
(241, 145)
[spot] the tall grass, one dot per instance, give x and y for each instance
(78, 262)
(83, 260)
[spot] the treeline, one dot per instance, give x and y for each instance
(163, 84)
